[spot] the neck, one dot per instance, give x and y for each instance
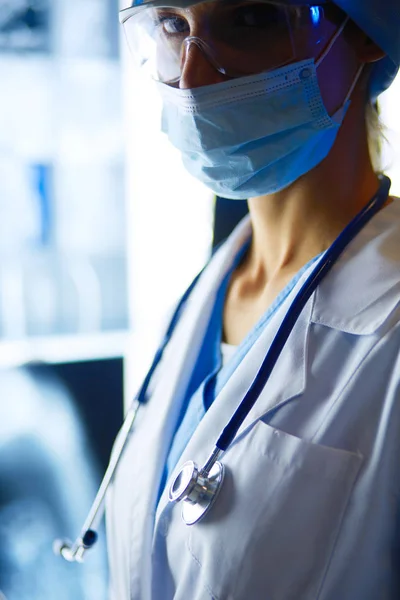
(296, 224)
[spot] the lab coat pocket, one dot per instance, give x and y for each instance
(273, 528)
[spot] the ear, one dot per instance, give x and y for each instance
(367, 51)
(370, 52)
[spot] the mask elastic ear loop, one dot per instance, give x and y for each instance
(328, 49)
(332, 42)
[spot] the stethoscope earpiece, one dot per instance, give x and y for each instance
(74, 552)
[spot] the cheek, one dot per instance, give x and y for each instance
(336, 74)
(310, 41)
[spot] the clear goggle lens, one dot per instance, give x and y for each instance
(238, 37)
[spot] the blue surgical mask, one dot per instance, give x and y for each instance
(253, 135)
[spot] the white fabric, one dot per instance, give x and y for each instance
(227, 351)
(310, 504)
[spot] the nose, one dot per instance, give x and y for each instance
(197, 70)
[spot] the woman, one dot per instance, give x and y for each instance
(268, 101)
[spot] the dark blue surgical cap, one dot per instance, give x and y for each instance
(380, 20)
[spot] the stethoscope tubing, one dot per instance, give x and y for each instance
(75, 551)
(88, 536)
(141, 396)
(321, 270)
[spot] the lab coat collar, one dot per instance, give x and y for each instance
(369, 272)
(371, 293)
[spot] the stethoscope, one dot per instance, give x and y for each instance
(196, 488)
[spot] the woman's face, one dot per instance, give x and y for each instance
(252, 37)
(218, 40)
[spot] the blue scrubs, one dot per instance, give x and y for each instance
(208, 378)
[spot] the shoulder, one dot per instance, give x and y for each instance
(363, 289)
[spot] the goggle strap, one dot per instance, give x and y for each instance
(332, 42)
(328, 49)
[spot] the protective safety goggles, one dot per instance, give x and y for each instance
(239, 37)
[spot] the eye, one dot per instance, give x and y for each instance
(172, 24)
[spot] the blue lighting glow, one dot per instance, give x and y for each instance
(315, 12)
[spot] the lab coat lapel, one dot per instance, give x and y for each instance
(153, 437)
(288, 378)
(287, 381)
(152, 440)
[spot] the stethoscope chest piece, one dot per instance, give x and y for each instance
(198, 490)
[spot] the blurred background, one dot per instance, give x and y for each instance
(84, 282)
(64, 315)
(101, 230)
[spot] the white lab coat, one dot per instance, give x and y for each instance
(310, 504)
